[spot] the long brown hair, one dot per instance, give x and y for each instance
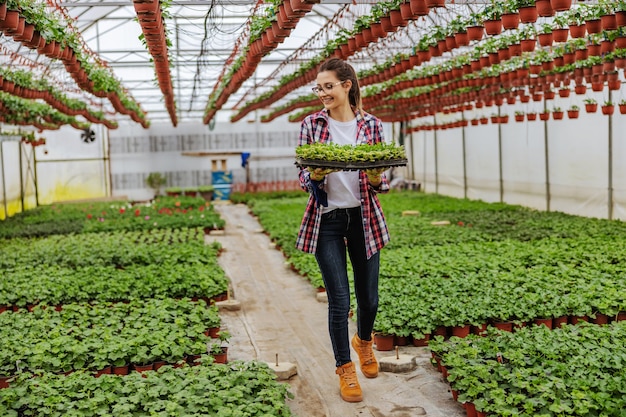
(344, 72)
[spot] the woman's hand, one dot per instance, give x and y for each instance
(318, 174)
(374, 175)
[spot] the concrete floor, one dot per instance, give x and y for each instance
(280, 315)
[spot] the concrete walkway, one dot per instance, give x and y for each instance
(280, 315)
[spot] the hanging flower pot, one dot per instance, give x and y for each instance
(620, 18)
(493, 27)
(519, 116)
(578, 31)
(558, 114)
(510, 20)
(11, 21)
(560, 35)
(436, 3)
(594, 26)
(560, 5)
(591, 106)
(597, 86)
(608, 109)
(544, 9)
(608, 22)
(475, 33)
(396, 19)
(528, 14)
(419, 7)
(573, 113)
(545, 39)
(545, 115)
(531, 117)
(622, 108)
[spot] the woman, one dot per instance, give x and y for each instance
(342, 212)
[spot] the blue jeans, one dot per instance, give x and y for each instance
(341, 229)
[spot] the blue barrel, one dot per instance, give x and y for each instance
(222, 182)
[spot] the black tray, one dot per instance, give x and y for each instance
(350, 166)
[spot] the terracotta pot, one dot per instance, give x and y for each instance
(608, 22)
(544, 8)
(419, 7)
(143, 368)
(578, 31)
(531, 117)
(560, 5)
(622, 108)
(436, 3)
(544, 116)
(591, 108)
(104, 371)
(505, 326)
(493, 27)
(601, 319)
(383, 342)
(594, 26)
(475, 33)
(545, 39)
(11, 20)
(608, 110)
(510, 20)
(558, 115)
(120, 370)
(421, 342)
(620, 19)
(572, 114)
(461, 331)
(528, 14)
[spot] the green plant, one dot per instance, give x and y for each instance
(590, 101)
(156, 180)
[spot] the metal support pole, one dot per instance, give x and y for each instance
(436, 158)
(611, 202)
(35, 182)
(464, 156)
(4, 183)
(500, 175)
(21, 176)
(546, 156)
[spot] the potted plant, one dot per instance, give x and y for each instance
(519, 116)
(557, 113)
(573, 111)
(608, 108)
(219, 350)
(591, 105)
(156, 180)
(622, 106)
(545, 115)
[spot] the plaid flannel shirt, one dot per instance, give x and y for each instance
(315, 128)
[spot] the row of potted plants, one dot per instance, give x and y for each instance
(151, 15)
(22, 84)
(18, 111)
(498, 264)
(403, 63)
(163, 213)
(155, 269)
(53, 35)
(201, 390)
(266, 31)
(572, 370)
(97, 336)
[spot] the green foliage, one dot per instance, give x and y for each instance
(93, 336)
(129, 266)
(350, 153)
(237, 389)
(165, 212)
(570, 371)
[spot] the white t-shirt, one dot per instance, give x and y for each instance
(342, 187)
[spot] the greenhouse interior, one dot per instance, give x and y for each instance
(154, 191)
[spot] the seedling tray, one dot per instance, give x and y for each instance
(350, 166)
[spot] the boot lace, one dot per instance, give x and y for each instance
(349, 376)
(366, 353)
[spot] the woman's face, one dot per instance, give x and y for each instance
(332, 92)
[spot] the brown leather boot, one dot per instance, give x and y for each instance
(349, 384)
(369, 365)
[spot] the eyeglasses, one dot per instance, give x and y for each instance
(327, 88)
